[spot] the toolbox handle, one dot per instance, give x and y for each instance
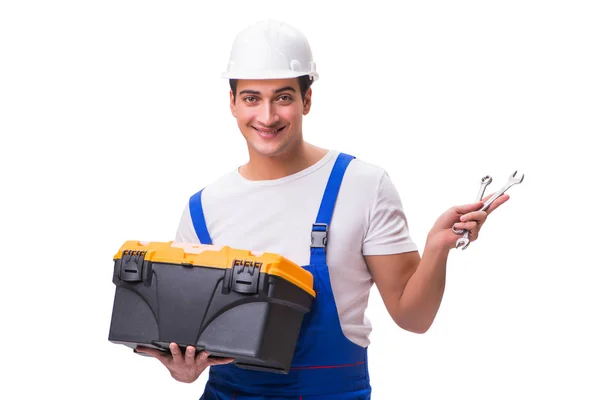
(193, 248)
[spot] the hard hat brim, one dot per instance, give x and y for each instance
(260, 75)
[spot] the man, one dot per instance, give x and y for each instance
(285, 199)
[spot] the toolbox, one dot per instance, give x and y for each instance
(232, 303)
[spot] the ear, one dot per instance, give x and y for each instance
(232, 104)
(307, 101)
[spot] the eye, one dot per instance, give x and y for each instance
(250, 99)
(285, 98)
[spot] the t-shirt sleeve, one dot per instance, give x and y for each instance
(387, 228)
(185, 231)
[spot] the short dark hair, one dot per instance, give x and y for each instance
(304, 81)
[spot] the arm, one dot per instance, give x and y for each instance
(412, 287)
(187, 366)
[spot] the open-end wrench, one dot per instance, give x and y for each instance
(512, 180)
(464, 240)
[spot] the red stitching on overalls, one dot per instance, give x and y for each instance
(329, 366)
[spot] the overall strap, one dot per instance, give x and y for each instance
(320, 228)
(198, 220)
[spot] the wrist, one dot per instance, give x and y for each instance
(436, 244)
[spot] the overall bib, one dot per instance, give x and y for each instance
(326, 365)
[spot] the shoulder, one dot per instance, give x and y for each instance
(372, 184)
(209, 195)
(219, 188)
(365, 176)
(360, 168)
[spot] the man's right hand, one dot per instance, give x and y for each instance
(182, 369)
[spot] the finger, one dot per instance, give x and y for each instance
(177, 357)
(478, 216)
(219, 361)
(473, 235)
(466, 208)
(160, 354)
(202, 357)
(470, 225)
(190, 355)
(498, 202)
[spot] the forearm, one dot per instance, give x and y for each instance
(420, 301)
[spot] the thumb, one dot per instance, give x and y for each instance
(148, 351)
(467, 208)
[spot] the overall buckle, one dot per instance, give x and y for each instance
(318, 237)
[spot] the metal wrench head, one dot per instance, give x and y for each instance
(462, 242)
(514, 178)
(486, 180)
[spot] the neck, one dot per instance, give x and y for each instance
(268, 168)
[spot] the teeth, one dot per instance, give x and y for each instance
(269, 132)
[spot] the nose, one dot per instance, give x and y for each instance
(268, 115)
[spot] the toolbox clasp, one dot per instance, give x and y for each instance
(242, 277)
(130, 267)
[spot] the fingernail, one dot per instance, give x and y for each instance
(463, 218)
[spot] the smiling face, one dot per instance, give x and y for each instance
(269, 114)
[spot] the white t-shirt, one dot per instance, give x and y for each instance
(277, 216)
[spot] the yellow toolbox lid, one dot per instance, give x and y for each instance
(212, 256)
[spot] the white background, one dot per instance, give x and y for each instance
(112, 113)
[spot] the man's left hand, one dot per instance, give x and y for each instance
(462, 217)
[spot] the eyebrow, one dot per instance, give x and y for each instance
(283, 89)
(256, 92)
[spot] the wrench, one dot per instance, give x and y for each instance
(512, 180)
(464, 240)
(485, 181)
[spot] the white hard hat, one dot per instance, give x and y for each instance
(270, 50)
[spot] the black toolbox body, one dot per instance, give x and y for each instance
(233, 303)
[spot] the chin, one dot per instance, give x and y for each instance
(270, 149)
(268, 152)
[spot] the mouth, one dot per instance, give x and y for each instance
(268, 133)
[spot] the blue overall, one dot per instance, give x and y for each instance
(326, 365)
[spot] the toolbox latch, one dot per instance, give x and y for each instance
(245, 276)
(131, 266)
(318, 237)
